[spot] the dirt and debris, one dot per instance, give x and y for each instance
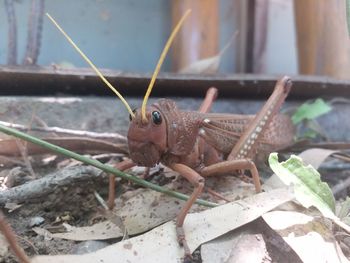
(56, 196)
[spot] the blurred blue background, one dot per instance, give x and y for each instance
(129, 35)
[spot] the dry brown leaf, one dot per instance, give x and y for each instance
(232, 215)
(203, 66)
(160, 244)
(43, 232)
(315, 156)
(307, 144)
(99, 231)
(208, 65)
(147, 210)
(308, 237)
(12, 206)
(235, 246)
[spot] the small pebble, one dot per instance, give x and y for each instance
(88, 246)
(36, 221)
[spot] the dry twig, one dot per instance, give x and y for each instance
(9, 147)
(87, 134)
(49, 183)
(11, 239)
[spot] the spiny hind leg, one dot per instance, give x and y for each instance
(210, 97)
(232, 165)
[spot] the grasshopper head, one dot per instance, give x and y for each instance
(147, 136)
(147, 140)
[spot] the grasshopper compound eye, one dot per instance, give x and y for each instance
(130, 116)
(156, 117)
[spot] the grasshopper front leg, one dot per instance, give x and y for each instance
(192, 176)
(198, 182)
(122, 166)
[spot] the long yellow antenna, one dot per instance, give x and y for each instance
(160, 62)
(91, 65)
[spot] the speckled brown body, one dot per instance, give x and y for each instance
(199, 139)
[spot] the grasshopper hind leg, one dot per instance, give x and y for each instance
(232, 165)
(210, 97)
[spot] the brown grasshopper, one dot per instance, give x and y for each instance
(197, 144)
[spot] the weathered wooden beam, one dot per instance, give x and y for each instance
(322, 37)
(198, 38)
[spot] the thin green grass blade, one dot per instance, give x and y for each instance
(97, 164)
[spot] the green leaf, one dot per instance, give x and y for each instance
(310, 111)
(308, 187)
(309, 134)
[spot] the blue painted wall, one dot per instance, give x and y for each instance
(129, 35)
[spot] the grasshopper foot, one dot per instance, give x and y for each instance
(188, 259)
(182, 242)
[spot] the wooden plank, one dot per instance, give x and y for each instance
(198, 37)
(260, 35)
(242, 45)
(47, 81)
(322, 36)
(252, 26)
